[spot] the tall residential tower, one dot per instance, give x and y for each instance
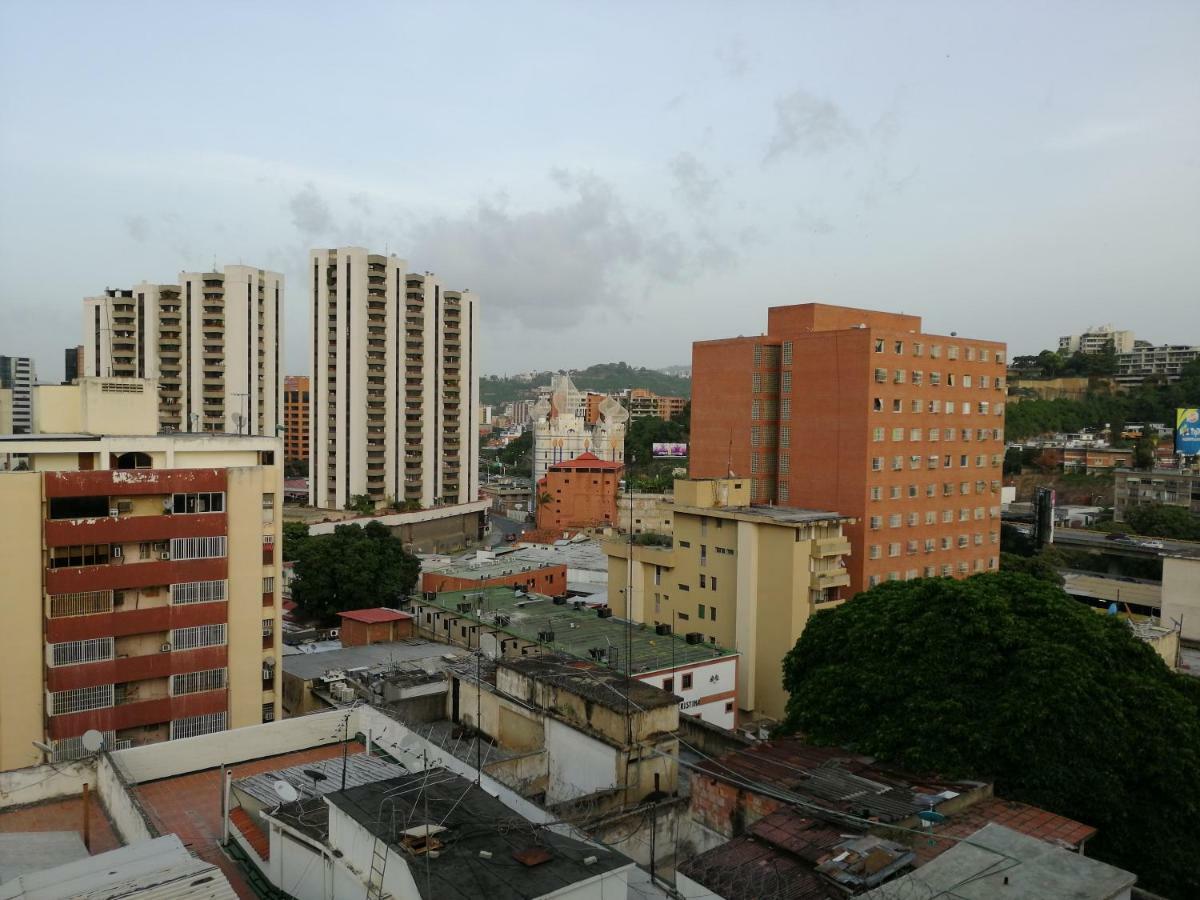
(213, 342)
(860, 412)
(395, 383)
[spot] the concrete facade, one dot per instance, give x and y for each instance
(1097, 339)
(737, 575)
(18, 375)
(561, 431)
(212, 341)
(142, 581)
(579, 493)
(1181, 595)
(395, 383)
(858, 411)
(1169, 487)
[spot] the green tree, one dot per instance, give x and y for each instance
(1160, 520)
(1003, 676)
(1042, 566)
(361, 503)
(1143, 451)
(684, 416)
(644, 432)
(355, 567)
(518, 454)
(294, 536)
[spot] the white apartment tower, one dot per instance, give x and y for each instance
(395, 383)
(213, 342)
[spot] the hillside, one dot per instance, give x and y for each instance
(604, 377)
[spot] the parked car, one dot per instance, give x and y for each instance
(1117, 536)
(1152, 545)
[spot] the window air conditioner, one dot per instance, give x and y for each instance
(164, 556)
(116, 552)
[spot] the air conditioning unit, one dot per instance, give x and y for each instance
(161, 546)
(604, 612)
(165, 556)
(694, 637)
(168, 504)
(662, 629)
(113, 511)
(116, 552)
(124, 506)
(334, 632)
(166, 647)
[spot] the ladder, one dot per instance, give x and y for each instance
(379, 854)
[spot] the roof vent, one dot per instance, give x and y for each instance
(532, 856)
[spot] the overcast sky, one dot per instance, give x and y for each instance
(614, 179)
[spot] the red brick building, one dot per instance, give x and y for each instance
(582, 493)
(361, 627)
(509, 570)
(295, 417)
(860, 412)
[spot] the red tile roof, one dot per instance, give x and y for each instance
(251, 831)
(587, 461)
(1028, 820)
(375, 616)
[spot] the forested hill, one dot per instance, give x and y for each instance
(604, 377)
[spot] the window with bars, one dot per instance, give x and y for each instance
(787, 353)
(269, 584)
(192, 726)
(71, 653)
(81, 699)
(195, 682)
(198, 592)
(785, 385)
(198, 636)
(68, 749)
(785, 436)
(198, 547)
(80, 604)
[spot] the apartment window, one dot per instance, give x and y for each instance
(79, 555)
(73, 653)
(918, 377)
(198, 547)
(947, 570)
(910, 547)
(657, 575)
(945, 543)
(952, 353)
(935, 351)
(877, 434)
(899, 377)
(703, 584)
(931, 489)
(899, 347)
(950, 379)
(935, 378)
(198, 636)
(685, 681)
(879, 345)
(787, 353)
(192, 726)
(198, 503)
(877, 404)
(983, 407)
(930, 571)
(935, 434)
(918, 348)
(914, 434)
(915, 406)
(785, 385)
(897, 405)
(712, 583)
(876, 521)
(785, 464)
(914, 461)
(894, 492)
(700, 606)
(81, 699)
(966, 381)
(893, 550)
(929, 545)
(872, 580)
(783, 492)
(881, 376)
(785, 408)
(876, 492)
(199, 592)
(268, 584)
(947, 515)
(785, 440)
(983, 382)
(897, 463)
(897, 434)
(950, 407)
(933, 462)
(894, 520)
(684, 587)
(268, 712)
(195, 682)
(876, 463)
(935, 406)
(82, 603)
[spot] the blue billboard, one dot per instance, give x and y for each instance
(1187, 431)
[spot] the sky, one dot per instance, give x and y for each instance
(615, 180)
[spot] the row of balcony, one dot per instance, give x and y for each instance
(138, 713)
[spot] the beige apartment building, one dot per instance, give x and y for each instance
(395, 383)
(141, 577)
(213, 341)
(736, 575)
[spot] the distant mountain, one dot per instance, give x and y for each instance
(605, 377)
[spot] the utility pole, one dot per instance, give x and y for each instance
(345, 746)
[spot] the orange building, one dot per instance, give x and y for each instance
(361, 627)
(509, 570)
(295, 418)
(858, 411)
(644, 404)
(582, 492)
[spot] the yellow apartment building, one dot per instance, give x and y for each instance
(735, 575)
(141, 576)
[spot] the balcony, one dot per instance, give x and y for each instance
(120, 623)
(127, 528)
(834, 578)
(138, 713)
(827, 547)
(132, 482)
(136, 668)
(133, 575)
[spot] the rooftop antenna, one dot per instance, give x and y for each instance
(92, 740)
(285, 791)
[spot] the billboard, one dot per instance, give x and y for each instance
(1187, 431)
(668, 451)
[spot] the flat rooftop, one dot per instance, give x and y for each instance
(524, 862)
(577, 631)
(508, 564)
(308, 666)
(602, 685)
(780, 515)
(572, 554)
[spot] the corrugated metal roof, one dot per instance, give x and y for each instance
(360, 769)
(158, 869)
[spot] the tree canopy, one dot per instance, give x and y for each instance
(294, 536)
(352, 568)
(1003, 676)
(1161, 520)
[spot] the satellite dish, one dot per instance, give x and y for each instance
(92, 740)
(286, 792)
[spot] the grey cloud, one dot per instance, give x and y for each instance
(547, 267)
(694, 184)
(808, 125)
(813, 222)
(310, 212)
(137, 228)
(733, 57)
(675, 102)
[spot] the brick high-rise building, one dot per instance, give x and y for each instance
(141, 581)
(295, 418)
(579, 493)
(860, 412)
(212, 341)
(395, 383)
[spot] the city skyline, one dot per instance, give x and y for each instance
(856, 156)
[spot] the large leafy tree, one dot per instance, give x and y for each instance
(294, 536)
(353, 568)
(1003, 676)
(1161, 520)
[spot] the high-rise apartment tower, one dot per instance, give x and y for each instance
(213, 342)
(18, 374)
(395, 383)
(295, 418)
(860, 412)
